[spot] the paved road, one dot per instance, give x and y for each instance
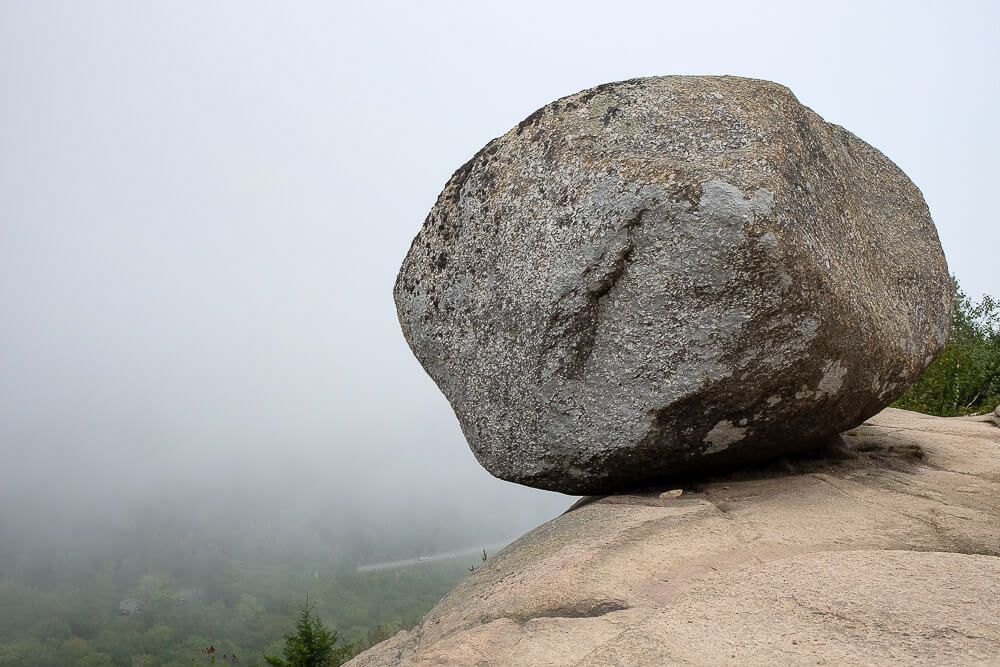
(430, 558)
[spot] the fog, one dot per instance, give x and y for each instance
(203, 207)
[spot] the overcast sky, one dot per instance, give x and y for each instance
(203, 206)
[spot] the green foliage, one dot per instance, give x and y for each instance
(312, 644)
(965, 378)
(206, 595)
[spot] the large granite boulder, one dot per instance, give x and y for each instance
(887, 555)
(653, 276)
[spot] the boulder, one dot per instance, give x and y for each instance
(886, 554)
(650, 277)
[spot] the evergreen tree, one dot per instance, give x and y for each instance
(311, 645)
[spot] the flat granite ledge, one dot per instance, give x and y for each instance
(882, 551)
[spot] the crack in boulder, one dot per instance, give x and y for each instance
(571, 331)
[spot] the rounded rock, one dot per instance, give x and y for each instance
(652, 277)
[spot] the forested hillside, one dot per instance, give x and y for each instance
(191, 584)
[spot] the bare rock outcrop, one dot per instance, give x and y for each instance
(886, 552)
(659, 275)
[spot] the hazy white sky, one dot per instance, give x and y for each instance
(203, 205)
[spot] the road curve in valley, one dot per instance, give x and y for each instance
(430, 558)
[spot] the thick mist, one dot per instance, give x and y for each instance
(203, 207)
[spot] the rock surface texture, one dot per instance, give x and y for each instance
(885, 555)
(653, 276)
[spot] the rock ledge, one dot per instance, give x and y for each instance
(884, 554)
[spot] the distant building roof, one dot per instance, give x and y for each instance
(129, 606)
